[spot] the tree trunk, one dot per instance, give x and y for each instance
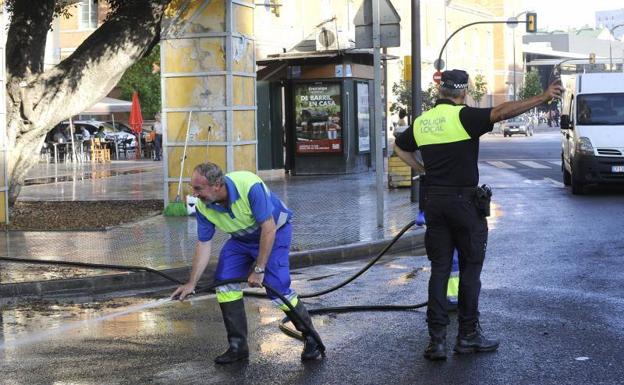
(37, 100)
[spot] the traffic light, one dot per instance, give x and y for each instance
(531, 22)
(275, 7)
(592, 58)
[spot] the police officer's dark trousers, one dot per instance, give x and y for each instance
(453, 220)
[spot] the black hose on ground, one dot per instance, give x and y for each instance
(291, 332)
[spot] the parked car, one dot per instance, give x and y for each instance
(112, 133)
(125, 128)
(518, 125)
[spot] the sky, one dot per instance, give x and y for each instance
(561, 14)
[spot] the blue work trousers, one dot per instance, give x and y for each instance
(237, 259)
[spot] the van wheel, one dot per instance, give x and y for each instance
(578, 188)
(567, 177)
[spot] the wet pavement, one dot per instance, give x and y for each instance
(551, 334)
(329, 211)
(551, 291)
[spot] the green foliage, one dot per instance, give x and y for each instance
(403, 92)
(141, 77)
(429, 96)
(478, 88)
(532, 85)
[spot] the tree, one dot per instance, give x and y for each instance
(532, 85)
(403, 92)
(478, 88)
(37, 99)
(144, 77)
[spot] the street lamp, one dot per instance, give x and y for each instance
(610, 54)
(513, 23)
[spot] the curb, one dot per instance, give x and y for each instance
(106, 284)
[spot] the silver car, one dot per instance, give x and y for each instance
(517, 125)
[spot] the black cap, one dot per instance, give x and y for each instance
(454, 79)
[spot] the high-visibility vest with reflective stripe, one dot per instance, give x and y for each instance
(439, 125)
(242, 221)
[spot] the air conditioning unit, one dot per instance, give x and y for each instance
(328, 39)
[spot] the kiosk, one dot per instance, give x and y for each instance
(328, 110)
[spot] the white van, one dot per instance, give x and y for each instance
(592, 128)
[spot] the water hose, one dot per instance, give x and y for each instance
(290, 332)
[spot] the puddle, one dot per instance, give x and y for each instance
(24, 272)
(82, 176)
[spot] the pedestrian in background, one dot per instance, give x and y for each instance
(448, 138)
(157, 129)
(239, 203)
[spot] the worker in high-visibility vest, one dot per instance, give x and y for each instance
(240, 204)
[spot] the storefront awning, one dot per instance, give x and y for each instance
(107, 106)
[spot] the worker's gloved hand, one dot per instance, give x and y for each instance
(420, 219)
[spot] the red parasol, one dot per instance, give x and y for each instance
(136, 120)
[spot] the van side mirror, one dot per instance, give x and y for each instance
(565, 122)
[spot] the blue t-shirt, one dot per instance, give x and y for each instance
(263, 203)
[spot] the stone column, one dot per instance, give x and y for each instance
(4, 199)
(208, 71)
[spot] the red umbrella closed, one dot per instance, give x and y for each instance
(136, 120)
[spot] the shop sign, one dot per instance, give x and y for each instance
(318, 118)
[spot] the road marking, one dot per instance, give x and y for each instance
(532, 164)
(499, 164)
(555, 162)
(556, 183)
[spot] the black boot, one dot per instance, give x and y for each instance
(236, 326)
(436, 350)
(311, 348)
(474, 341)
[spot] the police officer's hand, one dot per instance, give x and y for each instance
(255, 279)
(183, 291)
(554, 90)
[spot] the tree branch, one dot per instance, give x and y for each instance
(96, 66)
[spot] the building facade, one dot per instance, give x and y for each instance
(610, 19)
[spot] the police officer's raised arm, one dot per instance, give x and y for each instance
(510, 109)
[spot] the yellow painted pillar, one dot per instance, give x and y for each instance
(208, 71)
(4, 199)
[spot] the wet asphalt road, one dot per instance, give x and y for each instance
(551, 290)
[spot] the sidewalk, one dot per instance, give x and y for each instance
(334, 220)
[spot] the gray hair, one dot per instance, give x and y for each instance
(449, 93)
(210, 171)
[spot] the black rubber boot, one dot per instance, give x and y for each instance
(235, 322)
(474, 342)
(436, 350)
(311, 348)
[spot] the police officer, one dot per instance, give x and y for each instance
(448, 138)
(239, 203)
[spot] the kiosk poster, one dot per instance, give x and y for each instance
(363, 117)
(318, 122)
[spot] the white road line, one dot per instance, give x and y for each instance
(555, 182)
(499, 164)
(555, 162)
(532, 164)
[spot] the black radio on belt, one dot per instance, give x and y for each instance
(482, 199)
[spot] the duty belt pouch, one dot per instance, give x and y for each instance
(483, 197)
